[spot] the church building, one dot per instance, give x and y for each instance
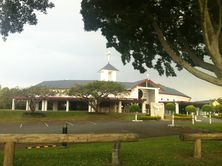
(149, 95)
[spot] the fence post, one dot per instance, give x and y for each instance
(197, 148)
(116, 154)
(9, 153)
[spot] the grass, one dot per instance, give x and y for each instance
(214, 127)
(18, 116)
(22, 116)
(159, 151)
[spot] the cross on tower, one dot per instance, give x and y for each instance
(108, 55)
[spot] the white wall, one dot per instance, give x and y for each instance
(166, 97)
(134, 93)
(107, 75)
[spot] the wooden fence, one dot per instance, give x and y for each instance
(10, 140)
(197, 140)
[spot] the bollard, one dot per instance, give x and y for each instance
(173, 120)
(64, 131)
(210, 120)
(192, 118)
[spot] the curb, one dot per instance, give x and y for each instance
(41, 146)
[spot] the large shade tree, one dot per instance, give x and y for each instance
(6, 95)
(35, 94)
(158, 32)
(95, 92)
(14, 14)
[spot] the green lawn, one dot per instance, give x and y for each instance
(18, 116)
(206, 127)
(158, 151)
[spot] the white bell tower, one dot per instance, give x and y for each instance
(108, 72)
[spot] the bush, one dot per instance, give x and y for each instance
(134, 108)
(182, 117)
(145, 117)
(34, 114)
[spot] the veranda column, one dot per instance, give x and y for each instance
(144, 107)
(13, 104)
(120, 107)
(46, 105)
(67, 106)
(177, 108)
(43, 105)
(55, 106)
(89, 108)
(27, 108)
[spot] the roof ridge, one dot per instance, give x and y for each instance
(108, 66)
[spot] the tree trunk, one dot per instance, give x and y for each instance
(32, 105)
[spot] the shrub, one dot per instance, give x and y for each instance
(182, 117)
(145, 117)
(34, 114)
(134, 108)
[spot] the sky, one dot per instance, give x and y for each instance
(58, 48)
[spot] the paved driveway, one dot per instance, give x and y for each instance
(149, 128)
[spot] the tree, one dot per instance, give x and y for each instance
(207, 108)
(134, 108)
(6, 95)
(191, 108)
(14, 14)
(219, 100)
(156, 33)
(170, 107)
(95, 92)
(218, 108)
(35, 94)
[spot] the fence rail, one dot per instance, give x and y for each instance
(11, 139)
(197, 137)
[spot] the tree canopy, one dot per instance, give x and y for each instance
(218, 108)
(95, 92)
(14, 14)
(155, 33)
(170, 107)
(207, 108)
(6, 95)
(190, 108)
(134, 108)
(35, 94)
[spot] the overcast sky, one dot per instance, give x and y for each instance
(58, 48)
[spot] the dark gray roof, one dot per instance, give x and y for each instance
(109, 67)
(170, 91)
(65, 84)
